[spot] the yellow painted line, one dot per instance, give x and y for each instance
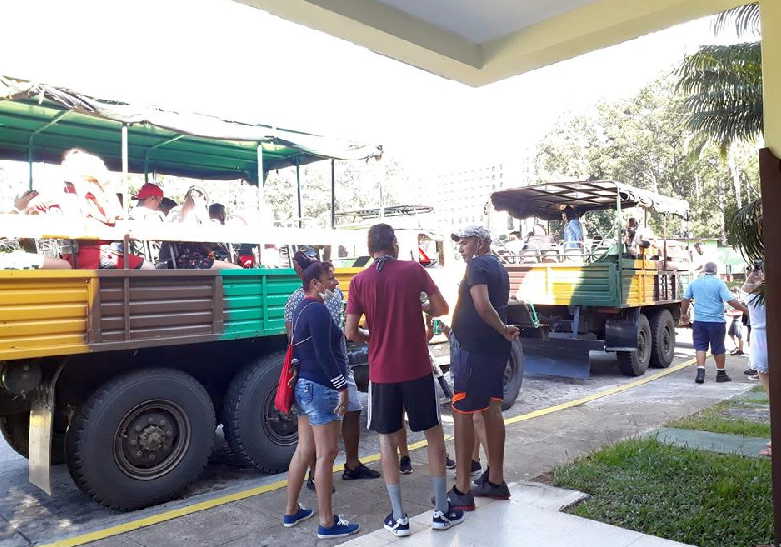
(601, 394)
(244, 494)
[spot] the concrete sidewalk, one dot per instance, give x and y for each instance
(534, 446)
(531, 518)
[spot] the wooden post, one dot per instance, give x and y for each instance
(770, 177)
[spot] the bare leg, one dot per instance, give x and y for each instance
(305, 452)
(720, 361)
(223, 265)
(50, 263)
(436, 451)
(351, 425)
(402, 440)
(389, 446)
(327, 447)
(700, 358)
(465, 443)
(480, 437)
(494, 429)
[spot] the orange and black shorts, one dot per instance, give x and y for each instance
(478, 378)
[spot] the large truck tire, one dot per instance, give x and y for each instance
(662, 339)
(259, 435)
(141, 438)
(16, 432)
(513, 375)
(635, 363)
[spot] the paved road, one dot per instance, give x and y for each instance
(29, 517)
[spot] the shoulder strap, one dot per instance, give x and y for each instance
(293, 330)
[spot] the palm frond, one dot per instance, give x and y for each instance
(745, 18)
(723, 88)
(744, 230)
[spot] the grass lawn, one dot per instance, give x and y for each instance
(695, 497)
(713, 419)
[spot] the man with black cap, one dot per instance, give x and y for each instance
(480, 348)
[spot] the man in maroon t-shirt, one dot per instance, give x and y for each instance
(401, 380)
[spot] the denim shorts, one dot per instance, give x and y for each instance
(353, 403)
(316, 402)
(706, 333)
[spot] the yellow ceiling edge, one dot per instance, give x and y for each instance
(398, 35)
(384, 30)
(771, 73)
(592, 27)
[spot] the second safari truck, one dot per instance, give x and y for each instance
(124, 374)
(596, 297)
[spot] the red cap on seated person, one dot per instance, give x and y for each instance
(149, 190)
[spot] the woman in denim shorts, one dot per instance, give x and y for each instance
(321, 399)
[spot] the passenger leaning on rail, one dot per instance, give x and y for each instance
(15, 253)
(192, 255)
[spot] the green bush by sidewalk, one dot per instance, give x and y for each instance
(691, 496)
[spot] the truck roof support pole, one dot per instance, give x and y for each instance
(333, 195)
(261, 198)
(125, 168)
(38, 131)
(620, 247)
(298, 196)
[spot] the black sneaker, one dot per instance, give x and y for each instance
(459, 501)
(405, 465)
(399, 528)
(721, 376)
(750, 372)
(360, 472)
(444, 521)
(486, 489)
(700, 379)
(450, 464)
(310, 484)
(476, 468)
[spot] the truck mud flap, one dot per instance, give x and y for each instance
(621, 335)
(567, 357)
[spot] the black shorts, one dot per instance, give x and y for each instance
(478, 378)
(388, 402)
(736, 328)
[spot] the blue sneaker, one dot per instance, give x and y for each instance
(341, 528)
(444, 521)
(399, 528)
(288, 521)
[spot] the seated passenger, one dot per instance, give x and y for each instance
(85, 178)
(166, 205)
(637, 239)
(149, 198)
(217, 213)
(574, 235)
(191, 255)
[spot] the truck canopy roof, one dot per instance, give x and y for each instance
(546, 201)
(40, 122)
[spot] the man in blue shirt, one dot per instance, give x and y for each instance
(709, 294)
(573, 229)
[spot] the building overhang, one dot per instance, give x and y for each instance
(480, 42)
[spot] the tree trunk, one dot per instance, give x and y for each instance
(735, 172)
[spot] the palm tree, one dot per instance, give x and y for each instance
(723, 88)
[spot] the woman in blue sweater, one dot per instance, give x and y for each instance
(321, 399)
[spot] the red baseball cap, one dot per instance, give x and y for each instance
(149, 190)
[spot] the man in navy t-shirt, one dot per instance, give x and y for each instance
(480, 348)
